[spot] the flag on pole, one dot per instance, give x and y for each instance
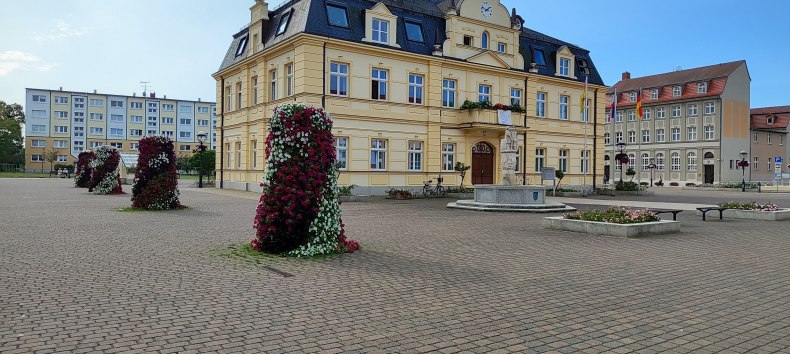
(613, 106)
(639, 103)
(582, 101)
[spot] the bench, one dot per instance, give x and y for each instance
(673, 211)
(705, 210)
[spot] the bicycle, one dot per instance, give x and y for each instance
(429, 191)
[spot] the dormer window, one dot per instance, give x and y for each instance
(242, 46)
(702, 87)
(564, 64)
(414, 32)
(677, 91)
(380, 31)
(770, 120)
(468, 40)
(337, 15)
(286, 17)
(653, 94)
(584, 67)
(538, 57)
(484, 45)
(632, 97)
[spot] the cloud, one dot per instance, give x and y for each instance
(62, 30)
(13, 60)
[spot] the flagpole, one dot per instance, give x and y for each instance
(614, 138)
(586, 121)
(639, 124)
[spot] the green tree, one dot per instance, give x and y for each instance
(204, 162)
(51, 156)
(184, 163)
(12, 116)
(461, 168)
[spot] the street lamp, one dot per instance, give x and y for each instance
(743, 164)
(621, 158)
(651, 166)
(201, 136)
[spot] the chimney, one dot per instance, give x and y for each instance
(152, 95)
(626, 76)
(259, 11)
(198, 99)
(94, 91)
(61, 88)
(164, 97)
(134, 94)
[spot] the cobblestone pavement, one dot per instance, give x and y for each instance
(76, 275)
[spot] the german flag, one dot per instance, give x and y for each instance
(639, 104)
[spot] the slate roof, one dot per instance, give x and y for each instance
(700, 74)
(759, 118)
(309, 16)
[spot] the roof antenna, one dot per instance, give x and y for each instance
(678, 68)
(144, 84)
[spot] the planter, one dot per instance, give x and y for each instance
(355, 198)
(568, 194)
(604, 228)
(783, 214)
(461, 195)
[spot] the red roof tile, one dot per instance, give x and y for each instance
(759, 117)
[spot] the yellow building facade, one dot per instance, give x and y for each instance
(395, 78)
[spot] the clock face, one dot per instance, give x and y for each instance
(486, 9)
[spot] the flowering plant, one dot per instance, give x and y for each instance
(299, 212)
(156, 179)
(751, 206)
(83, 174)
(105, 178)
(743, 164)
(615, 215)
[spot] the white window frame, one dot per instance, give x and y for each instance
(607, 139)
(632, 97)
(709, 132)
(448, 92)
(702, 87)
(416, 88)
(565, 64)
(661, 113)
(379, 77)
(646, 114)
(674, 160)
(272, 84)
(448, 157)
(502, 47)
(483, 93)
(632, 137)
(692, 109)
(61, 99)
(414, 155)
(674, 134)
(379, 32)
(585, 161)
(645, 136)
(378, 154)
(289, 80)
(618, 136)
(660, 135)
(691, 161)
(619, 116)
(540, 159)
(677, 91)
(341, 145)
(515, 96)
(653, 94)
(564, 102)
(540, 104)
(338, 77)
(691, 133)
(645, 161)
(660, 161)
(710, 108)
(563, 160)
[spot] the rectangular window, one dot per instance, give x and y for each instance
(167, 107)
(185, 121)
(415, 88)
(228, 96)
(675, 134)
(631, 115)
(564, 100)
(607, 139)
(515, 96)
(62, 158)
(227, 156)
(710, 108)
(338, 79)
(563, 166)
(337, 15)
(448, 157)
(653, 94)
(78, 131)
(618, 137)
(185, 147)
(632, 97)
(585, 155)
(380, 31)
(538, 57)
(660, 161)
(468, 40)
(202, 122)
(675, 111)
(61, 114)
(483, 93)
(448, 93)
(702, 87)
(540, 155)
(185, 135)
(660, 135)
(238, 155)
(205, 109)
(185, 108)
(378, 154)
(692, 109)
(40, 98)
(754, 137)
(97, 116)
(414, 32)
(646, 114)
(540, 104)
(254, 151)
(38, 143)
(152, 107)
(79, 102)
(289, 80)
(415, 155)
(677, 91)
(60, 143)
(645, 136)
(254, 94)
(136, 132)
(97, 131)
(238, 95)
(116, 131)
(631, 137)
(675, 161)
(709, 132)
(341, 152)
(151, 132)
(39, 113)
(136, 119)
(756, 163)
(116, 104)
(167, 120)
(61, 128)
(152, 121)
(95, 102)
(564, 64)
(619, 116)
(61, 99)
(286, 17)
(691, 133)
(378, 84)
(781, 139)
(661, 113)
(37, 158)
(116, 118)
(769, 138)
(117, 145)
(136, 105)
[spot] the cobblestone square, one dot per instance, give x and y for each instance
(77, 275)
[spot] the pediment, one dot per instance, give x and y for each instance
(381, 9)
(564, 51)
(488, 58)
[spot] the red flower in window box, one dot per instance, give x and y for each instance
(743, 164)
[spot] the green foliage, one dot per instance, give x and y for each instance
(12, 116)
(461, 168)
(346, 190)
(750, 206)
(626, 186)
(674, 184)
(559, 175)
(630, 172)
(51, 156)
(460, 190)
(567, 190)
(615, 215)
(737, 185)
(205, 162)
(395, 193)
(183, 163)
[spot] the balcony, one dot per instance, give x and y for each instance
(481, 118)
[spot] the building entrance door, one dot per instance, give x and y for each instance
(708, 174)
(482, 163)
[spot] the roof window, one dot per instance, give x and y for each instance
(337, 15)
(414, 32)
(538, 57)
(242, 46)
(286, 17)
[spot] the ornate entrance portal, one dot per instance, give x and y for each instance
(482, 163)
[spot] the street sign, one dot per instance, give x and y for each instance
(778, 159)
(548, 174)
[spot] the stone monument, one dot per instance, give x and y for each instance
(508, 148)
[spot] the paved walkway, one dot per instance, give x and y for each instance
(76, 275)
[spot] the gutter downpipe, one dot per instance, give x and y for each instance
(323, 93)
(595, 138)
(524, 154)
(222, 133)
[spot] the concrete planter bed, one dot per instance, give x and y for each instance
(461, 195)
(355, 198)
(568, 194)
(605, 228)
(613, 192)
(783, 214)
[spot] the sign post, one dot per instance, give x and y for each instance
(777, 171)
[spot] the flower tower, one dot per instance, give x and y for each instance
(105, 178)
(83, 173)
(156, 178)
(299, 212)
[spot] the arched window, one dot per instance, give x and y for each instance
(660, 161)
(692, 161)
(675, 161)
(631, 161)
(485, 40)
(708, 155)
(645, 161)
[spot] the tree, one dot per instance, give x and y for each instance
(461, 168)
(51, 156)
(203, 163)
(183, 164)
(12, 116)
(559, 175)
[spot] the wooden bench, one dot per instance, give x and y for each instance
(705, 210)
(673, 211)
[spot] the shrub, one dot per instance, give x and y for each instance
(626, 186)
(737, 185)
(691, 184)
(298, 213)
(643, 183)
(156, 177)
(395, 193)
(105, 178)
(615, 215)
(346, 190)
(84, 170)
(567, 190)
(460, 190)
(750, 206)
(674, 184)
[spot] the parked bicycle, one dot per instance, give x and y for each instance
(429, 190)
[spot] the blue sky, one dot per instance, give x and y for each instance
(112, 45)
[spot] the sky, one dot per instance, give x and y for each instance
(113, 45)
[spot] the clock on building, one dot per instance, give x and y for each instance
(486, 9)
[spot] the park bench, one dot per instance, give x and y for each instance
(705, 210)
(673, 211)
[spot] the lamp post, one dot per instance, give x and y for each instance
(201, 136)
(651, 166)
(743, 164)
(621, 158)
